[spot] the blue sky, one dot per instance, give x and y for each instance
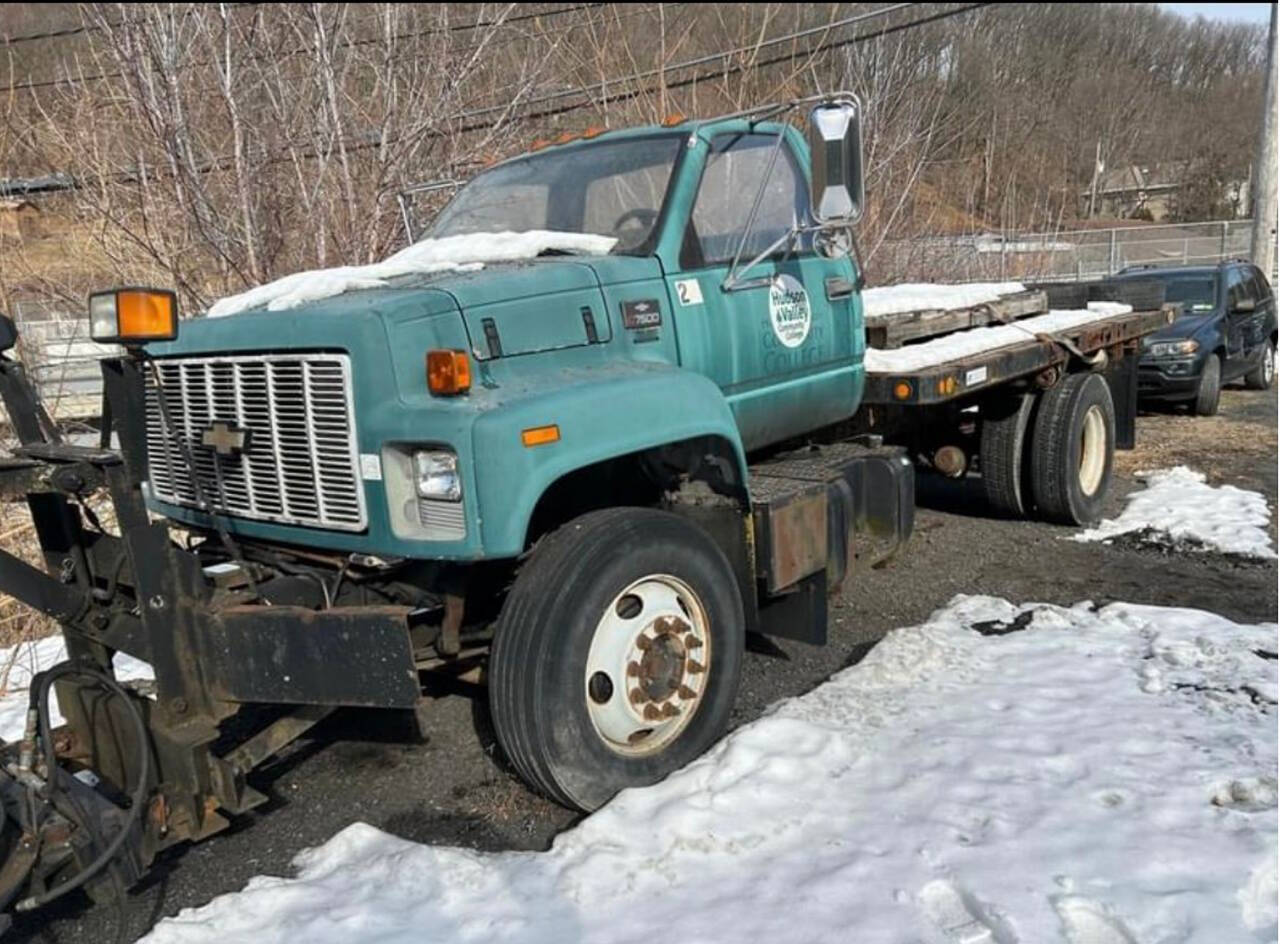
(1232, 12)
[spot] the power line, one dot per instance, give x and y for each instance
(460, 27)
(31, 85)
(701, 60)
(224, 163)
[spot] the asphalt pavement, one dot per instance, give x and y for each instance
(455, 789)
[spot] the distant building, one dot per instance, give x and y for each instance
(19, 219)
(1149, 191)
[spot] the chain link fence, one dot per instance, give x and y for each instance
(1065, 255)
(61, 359)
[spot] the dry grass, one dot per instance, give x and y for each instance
(18, 623)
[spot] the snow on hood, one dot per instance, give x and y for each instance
(1179, 509)
(464, 253)
(967, 781)
(929, 296)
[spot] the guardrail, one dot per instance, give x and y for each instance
(1062, 255)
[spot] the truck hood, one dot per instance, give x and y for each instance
(501, 310)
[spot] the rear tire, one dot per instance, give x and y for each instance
(1006, 424)
(1073, 449)
(1264, 375)
(581, 715)
(1210, 390)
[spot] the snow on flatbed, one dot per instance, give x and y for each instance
(998, 775)
(976, 341)
(448, 254)
(1179, 509)
(933, 296)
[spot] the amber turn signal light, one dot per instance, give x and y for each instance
(540, 435)
(448, 372)
(133, 315)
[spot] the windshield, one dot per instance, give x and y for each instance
(1196, 293)
(613, 188)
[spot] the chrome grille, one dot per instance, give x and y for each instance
(301, 464)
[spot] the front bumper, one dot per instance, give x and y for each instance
(1168, 378)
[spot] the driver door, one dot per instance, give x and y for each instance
(784, 348)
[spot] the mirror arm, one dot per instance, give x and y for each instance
(734, 281)
(734, 273)
(859, 278)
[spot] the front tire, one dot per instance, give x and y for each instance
(1210, 390)
(617, 655)
(1264, 375)
(1073, 449)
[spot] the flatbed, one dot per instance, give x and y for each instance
(967, 375)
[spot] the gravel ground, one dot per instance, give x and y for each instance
(453, 789)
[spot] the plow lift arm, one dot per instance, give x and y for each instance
(139, 767)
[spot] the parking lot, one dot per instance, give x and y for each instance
(454, 789)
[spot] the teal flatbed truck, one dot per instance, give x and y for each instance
(578, 479)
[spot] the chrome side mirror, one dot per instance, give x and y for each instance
(835, 151)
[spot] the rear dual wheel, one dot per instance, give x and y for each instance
(617, 654)
(1051, 452)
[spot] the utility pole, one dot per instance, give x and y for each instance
(1264, 177)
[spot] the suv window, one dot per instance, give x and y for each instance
(1262, 288)
(1239, 287)
(730, 181)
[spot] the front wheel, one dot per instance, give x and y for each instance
(1209, 391)
(617, 654)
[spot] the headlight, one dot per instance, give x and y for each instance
(1173, 348)
(436, 475)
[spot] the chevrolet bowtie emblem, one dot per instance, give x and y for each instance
(225, 439)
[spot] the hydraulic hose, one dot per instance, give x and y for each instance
(40, 702)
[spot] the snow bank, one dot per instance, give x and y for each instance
(1103, 777)
(979, 340)
(928, 296)
(450, 253)
(1178, 509)
(19, 663)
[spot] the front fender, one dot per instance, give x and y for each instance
(613, 412)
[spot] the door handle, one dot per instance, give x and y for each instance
(838, 287)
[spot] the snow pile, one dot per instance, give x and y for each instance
(19, 663)
(447, 254)
(1179, 509)
(979, 340)
(1104, 777)
(929, 296)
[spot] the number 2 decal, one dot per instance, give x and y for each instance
(689, 292)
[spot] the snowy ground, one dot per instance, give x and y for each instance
(1178, 509)
(977, 340)
(998, 775)
(448, 254)
(19, 663)
(932, 296)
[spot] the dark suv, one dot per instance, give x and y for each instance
(1227, 330)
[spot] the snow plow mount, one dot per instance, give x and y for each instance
(140, 767)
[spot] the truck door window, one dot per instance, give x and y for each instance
(730, 181)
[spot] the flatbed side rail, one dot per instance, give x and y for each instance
(966, 376)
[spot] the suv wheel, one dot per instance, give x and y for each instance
(1210, 390)
(1264, 375)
